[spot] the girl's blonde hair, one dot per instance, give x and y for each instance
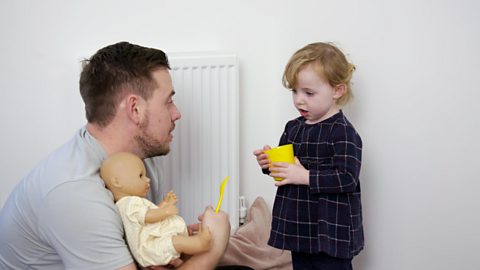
(329, 62)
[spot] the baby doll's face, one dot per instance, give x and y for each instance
(133, 178)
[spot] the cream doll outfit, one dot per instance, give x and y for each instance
(150, 244)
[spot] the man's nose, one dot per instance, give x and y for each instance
(176, 114)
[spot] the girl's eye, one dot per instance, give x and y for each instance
(310, 93)
(294, 91)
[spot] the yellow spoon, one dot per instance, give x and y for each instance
(222, 187)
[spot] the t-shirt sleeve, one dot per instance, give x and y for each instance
(80, 221)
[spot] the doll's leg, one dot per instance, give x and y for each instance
(193, 244)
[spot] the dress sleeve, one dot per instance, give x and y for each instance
(136, 209)
(343, 174)
(80, 221)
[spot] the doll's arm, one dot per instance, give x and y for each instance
(161, 213)
(165, 209)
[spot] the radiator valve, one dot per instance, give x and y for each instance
(243, 210)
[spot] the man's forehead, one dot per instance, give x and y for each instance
(163, 80)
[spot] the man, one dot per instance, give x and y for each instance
(61, 216)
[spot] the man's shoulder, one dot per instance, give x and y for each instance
(76, 163)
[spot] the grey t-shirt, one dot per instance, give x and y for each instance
(61, 216)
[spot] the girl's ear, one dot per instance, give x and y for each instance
(340, 90)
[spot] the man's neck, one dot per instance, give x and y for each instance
(113, 139)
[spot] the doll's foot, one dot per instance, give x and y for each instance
(193, 244)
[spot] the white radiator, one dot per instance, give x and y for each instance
(205, 148)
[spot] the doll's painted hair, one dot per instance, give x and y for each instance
(329, 62)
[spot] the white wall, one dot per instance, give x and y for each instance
(416, 86)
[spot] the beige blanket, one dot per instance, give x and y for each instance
(248, 245)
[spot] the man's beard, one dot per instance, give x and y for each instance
(149, 146)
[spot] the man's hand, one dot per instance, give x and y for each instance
(219, 226)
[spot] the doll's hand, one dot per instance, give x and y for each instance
(170, 198)
(294, 174)
(168, 209)
(262, 158)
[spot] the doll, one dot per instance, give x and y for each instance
(155, 233)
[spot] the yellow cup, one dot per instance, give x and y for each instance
(282, 153)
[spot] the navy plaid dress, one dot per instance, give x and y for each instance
(325, 216)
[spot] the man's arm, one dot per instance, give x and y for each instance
(80, 221)
(129, 267)
(219, 226)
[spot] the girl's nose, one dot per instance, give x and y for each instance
(298, 99)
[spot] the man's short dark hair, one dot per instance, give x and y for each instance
(111, 71)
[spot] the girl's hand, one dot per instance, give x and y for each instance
(262, 158)
(294, 174)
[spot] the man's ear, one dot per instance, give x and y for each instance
(135, 106)
(340, 90)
